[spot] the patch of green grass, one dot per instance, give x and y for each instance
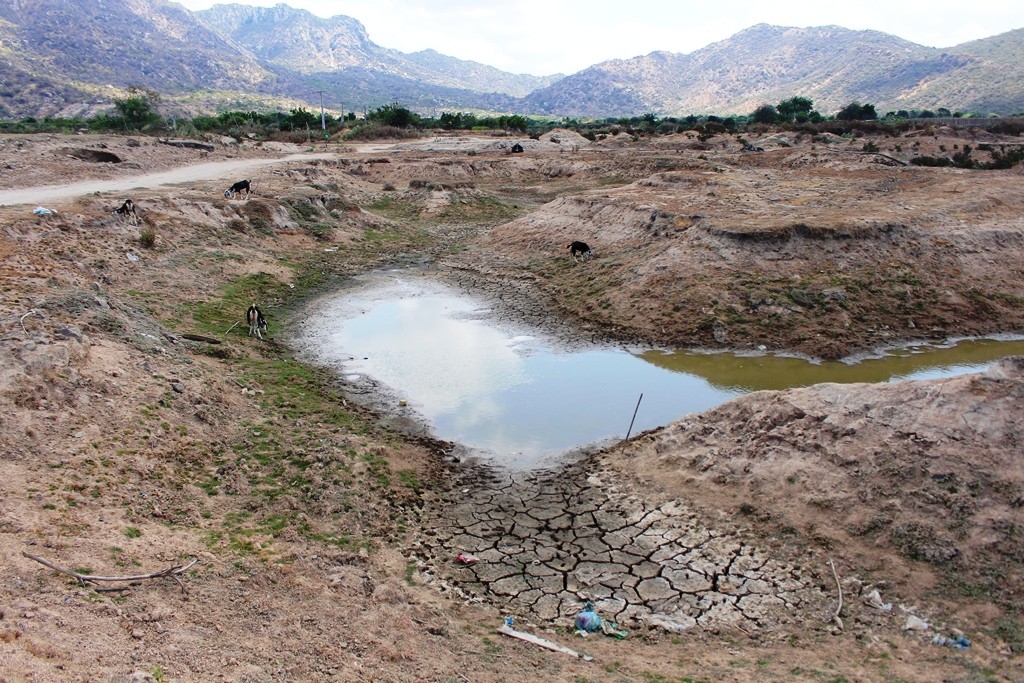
(215, 317)
(481, 209)
(274, 525)
(132, 532)
(409, 479)
(210, 485)
(336, 540)
(1011, 631)
(213, 538)
(410, 572)
(490, 647)
(241, 544)
(377, 469)
(395, 208)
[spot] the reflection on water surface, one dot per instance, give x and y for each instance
(507, 392)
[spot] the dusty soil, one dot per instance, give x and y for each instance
(326, 533)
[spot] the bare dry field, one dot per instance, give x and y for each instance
(824, 534)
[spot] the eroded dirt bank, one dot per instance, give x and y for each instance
(823, 252)
(326, 541)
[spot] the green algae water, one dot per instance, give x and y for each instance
(521, 400)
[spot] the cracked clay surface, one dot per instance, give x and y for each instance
(544, 542)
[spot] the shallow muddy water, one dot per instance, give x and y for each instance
(521, 399)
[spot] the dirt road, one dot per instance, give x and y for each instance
(207, 171)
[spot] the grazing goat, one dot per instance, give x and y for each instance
(255, 318)
(127, 211)
(238, 188)
(578, 248)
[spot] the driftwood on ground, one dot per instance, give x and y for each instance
(191, 144)
(171, 572)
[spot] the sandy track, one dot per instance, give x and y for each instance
(206, 171)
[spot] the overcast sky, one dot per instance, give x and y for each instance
(543, 37)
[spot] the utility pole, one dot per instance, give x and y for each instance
(323, 119)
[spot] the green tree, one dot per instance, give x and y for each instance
(394, 115)
(300, 118)
(766, 113)
(516, 122)
(795, 109)
(856, 111)
(139, 109)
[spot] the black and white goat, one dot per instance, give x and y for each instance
(578, 248)
(256, 321)
(127, 212)
(238, 188)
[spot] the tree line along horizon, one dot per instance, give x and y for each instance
(139, 112)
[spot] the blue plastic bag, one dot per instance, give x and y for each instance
(588, 620)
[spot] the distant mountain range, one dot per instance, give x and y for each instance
(69, 57)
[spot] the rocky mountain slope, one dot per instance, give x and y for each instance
(159, 42)
(830, 64)
(59, 57)
(302, 42)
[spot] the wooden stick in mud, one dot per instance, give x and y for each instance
(630, 431)
(839, 608)
(171, 572)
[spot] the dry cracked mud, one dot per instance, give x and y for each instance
(543, 544)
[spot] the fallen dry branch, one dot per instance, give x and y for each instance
(886, 156)
(22, 321)
(201, 338)
(190, 144)
(171, 572)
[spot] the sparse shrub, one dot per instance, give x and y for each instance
(870, 146)
(1008, 128)
(319, 231)
(147, 237)
(375, 131)
(963, 158)
(261, 225)
(1007, 159)
(305, 209)
(710, 130)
